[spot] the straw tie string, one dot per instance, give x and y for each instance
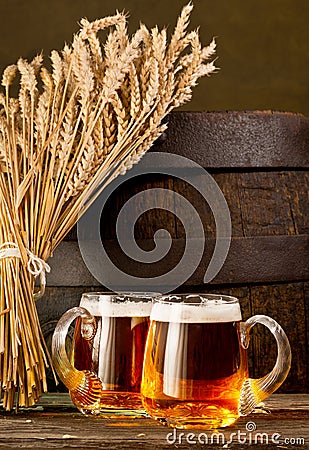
(36, 266)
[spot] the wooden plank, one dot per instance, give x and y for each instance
(68, 267)
(306, 321)
(57, 300)
(234, 139)
(61, 427)
(298, 191)
(265, 259)
(157, 218)
(286, 304)
(265, 206)
(200, 207)
(147, 224)
(228, 183)
(260, 203)
(261, 259)
(290, 402)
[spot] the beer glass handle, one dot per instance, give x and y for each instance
(84, 386)
(253, 390)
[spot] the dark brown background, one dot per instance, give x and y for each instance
(262, 45)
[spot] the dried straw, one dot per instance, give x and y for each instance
(72, 129)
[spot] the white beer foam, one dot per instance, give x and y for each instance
(103, 306)
(207, 312)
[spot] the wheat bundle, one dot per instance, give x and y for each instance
(71, 129)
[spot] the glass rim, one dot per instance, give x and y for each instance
(204, 298)
(121, 296)
(111, 304)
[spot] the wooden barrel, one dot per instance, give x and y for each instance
(259, 159)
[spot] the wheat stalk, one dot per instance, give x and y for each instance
(69, 132)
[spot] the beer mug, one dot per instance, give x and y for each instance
(195, 368)
(105, 371)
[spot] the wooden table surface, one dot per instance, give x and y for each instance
(282, 423)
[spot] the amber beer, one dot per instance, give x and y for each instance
(115, 353)
(195, 369)
(194, 363)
